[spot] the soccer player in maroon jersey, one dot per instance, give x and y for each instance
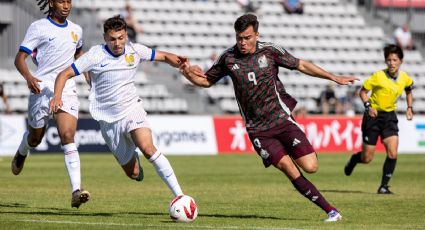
(266, 107)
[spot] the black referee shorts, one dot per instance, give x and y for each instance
(384, 125)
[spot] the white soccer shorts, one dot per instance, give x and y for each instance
(38, 108)
(117, 134)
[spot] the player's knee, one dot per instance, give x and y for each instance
(67, 137)
(311, 168)
(148, 151)
(34, 141)
(392, 154)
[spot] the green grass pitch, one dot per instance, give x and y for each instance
(232, 192)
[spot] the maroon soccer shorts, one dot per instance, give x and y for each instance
(286, 139)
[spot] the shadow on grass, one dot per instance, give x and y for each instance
(246, 217)
(343, 191)
(46, 211)
(13, 205)
(69, 212)
(213, 216)
(56, 213)
(241, 217)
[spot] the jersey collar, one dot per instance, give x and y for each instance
(57, 24)
(111, 53)
(389, 76)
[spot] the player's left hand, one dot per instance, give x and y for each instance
(409, 114)
(55, 104)
(345, 80)
(183, 60)
(197, 70)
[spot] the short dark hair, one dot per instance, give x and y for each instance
(115, 23)
(393, 49)
(43, 4)
(246, 20)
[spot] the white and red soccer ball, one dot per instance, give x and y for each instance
(183, 209)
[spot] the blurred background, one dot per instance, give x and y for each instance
(345, 37)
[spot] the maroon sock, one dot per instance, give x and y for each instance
(307, 189)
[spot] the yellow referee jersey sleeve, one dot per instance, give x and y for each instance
(385, 90)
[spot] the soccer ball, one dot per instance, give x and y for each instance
(183, 209)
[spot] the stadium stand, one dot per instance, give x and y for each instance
(331, 33)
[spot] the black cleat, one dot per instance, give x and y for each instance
(383, 189)
(349, 167)
(18, 163)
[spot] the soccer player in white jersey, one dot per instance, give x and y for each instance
(53, 43)
(114, 102)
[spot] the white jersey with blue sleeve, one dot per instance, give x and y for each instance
(113, 92)
(52, 47)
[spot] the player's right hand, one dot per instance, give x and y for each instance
(345, 80)
(33, 85)
(55, 104)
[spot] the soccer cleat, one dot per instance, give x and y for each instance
(383, 189)
(333, 216)
(349, 167)
(18, 163)
(79, 197)
(141, 175)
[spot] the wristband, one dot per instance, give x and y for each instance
(367, 105)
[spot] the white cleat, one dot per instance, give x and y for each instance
(333, 216)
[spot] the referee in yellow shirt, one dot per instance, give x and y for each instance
(380, 118)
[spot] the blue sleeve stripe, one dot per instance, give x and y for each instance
(75, 69)
(153, 55)
(25, 49)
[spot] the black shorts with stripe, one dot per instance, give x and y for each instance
(384, 125)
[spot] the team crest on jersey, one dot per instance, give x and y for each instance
(262, 61)
(74, 37)
(129, 59)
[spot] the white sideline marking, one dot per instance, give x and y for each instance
(149, 225)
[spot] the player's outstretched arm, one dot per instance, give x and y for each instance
(56, 102)
(315, 71)
(169, 58)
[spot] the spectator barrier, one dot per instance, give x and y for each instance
(210, 135)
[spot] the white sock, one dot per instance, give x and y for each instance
(24, 148)
(166, 172)
(72, 163)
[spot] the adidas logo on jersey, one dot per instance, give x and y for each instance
(296, 142)
(235, 67)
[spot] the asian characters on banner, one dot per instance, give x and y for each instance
(326, 134)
